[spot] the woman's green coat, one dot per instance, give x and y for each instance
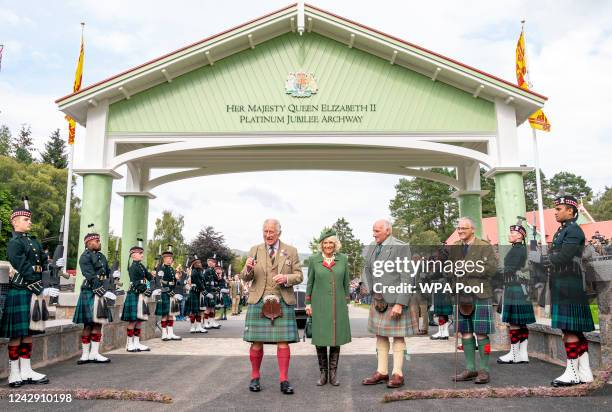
(328, 293)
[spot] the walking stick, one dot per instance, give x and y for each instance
(456, 335)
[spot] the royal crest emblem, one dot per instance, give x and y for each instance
(301, 84)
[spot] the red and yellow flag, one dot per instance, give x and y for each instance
(537, 120)
(78, 76)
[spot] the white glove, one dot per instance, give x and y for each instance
(160, 273)
(178, 297)
(224, 290)
(156, 292)
(209, 296)
(61, 263)
(53, 292)
(116, 274)
(110, 295)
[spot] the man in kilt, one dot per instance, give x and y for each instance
(210, 293)
(168, 306)
(517, 309)
(442, 302)
(193, 307)
(135, 307)
(224, 299)
(389, 315)
(25, 309)
(569, 304)
(274, 268)
(92, 310)
(475, 310)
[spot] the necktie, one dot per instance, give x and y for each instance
(271, 253)
(378, 250)
(465, 249)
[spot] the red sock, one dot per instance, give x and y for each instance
(441, 321)
(130, 333)
(96, 337)
(206, 316)
(192, 318)
(170, 323)
(25, 350)
(515, 336)
(572, 349)
(283, 355)
(256, 357)
(13, 352)
(198, 318)
(164, 323)
(85, 339)
(136, 332)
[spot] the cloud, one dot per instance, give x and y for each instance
(267, 199)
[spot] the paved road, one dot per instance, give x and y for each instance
(204, 380)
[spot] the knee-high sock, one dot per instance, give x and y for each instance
(399, 347)
(283, 355)
(484, 350)
(256, 357)
(469, 350)
(13, 352)
(25, 350)
(382, 351)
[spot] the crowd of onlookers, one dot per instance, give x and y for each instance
(599, 245)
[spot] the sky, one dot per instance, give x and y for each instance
(569, 47)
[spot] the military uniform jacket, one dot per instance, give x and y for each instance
(26, 256)
(95, 270)
(210, 281)
(168, 280)
(514, 261)
(197, 280)
(139, 275)
(567, 245)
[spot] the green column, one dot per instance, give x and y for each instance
(509, 201)
(97, 189)
(470, 205)
(135, 219)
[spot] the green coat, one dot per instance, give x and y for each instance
(328, 293)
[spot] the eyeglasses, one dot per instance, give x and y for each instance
(463, 228)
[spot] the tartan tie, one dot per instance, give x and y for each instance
(377, 251)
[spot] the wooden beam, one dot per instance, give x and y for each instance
(92, 102)
(351, 40)
(251, 43)
(393, 57)
(435, 74)
(310, 24)
(508, 100)
(478, 90)
(166, 75)
(209, 57)
(292, 23)
(125, 92)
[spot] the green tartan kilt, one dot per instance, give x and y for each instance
(192, 303)
(261, 329)
(15, 321)
(130, 308)
(480, 321)
(381, 323)
(85, 307)
(443, 304)
(570, 309)
(163, 305)
(517, 308)
(227, 301)
(210, 303)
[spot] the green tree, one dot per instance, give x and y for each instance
(168, 231)
(6, 208)
(23, 145)
(54, 153)
(209, 242)
(6, 141)
(570, 184)
(601, 209)
(429, 201)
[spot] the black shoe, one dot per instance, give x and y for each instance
(286, 388)
(254, 386)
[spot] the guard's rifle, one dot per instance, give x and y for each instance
(538, 273)
(51, 275)
(109, 283)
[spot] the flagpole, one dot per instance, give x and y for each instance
(536, 160)
(69, 189)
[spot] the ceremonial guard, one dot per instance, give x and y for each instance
(93, 310)
(223, 288)
(274, 268)
(442, 302)
(389, 315)
(193, 302)
(168, 306)
(517, 309)
(210, 293)
(135, 308)
(475, 310)
(25, 309)
(569, 304)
